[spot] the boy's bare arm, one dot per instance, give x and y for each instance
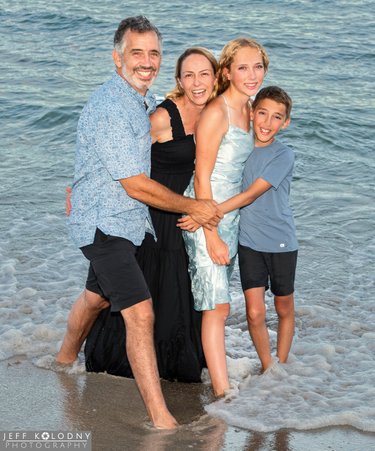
(247, 197)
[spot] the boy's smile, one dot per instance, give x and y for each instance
(268, 118)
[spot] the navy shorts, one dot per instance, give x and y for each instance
(114, 272)
(258, 269)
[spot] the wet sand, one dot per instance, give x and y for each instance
(110, 407)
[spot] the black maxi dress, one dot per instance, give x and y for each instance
(165, 266)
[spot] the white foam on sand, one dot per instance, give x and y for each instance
(329, 379)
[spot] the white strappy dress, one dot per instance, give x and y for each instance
(210, 282)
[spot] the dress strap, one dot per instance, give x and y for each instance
(226, 103)
(178, 130)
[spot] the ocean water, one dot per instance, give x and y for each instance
(54, 54)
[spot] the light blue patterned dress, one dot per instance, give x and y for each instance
(210, 282)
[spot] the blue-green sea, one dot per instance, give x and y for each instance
(54, 55)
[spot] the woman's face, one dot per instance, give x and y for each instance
(197, 79)
(246, 73)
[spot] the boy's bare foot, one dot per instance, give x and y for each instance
(267, 363)
(275, 369)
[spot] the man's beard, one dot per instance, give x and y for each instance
(132, 80)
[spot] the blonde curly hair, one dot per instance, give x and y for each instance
(227, 56)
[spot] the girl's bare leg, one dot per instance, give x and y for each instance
(213, 340)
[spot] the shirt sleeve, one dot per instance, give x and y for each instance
(278, 168)
(122, 150)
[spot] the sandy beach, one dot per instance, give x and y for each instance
(111, 408)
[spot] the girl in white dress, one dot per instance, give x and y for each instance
(224, 142)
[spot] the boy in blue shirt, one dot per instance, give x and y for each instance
(268, 244)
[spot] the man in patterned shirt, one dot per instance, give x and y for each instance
(109, 215)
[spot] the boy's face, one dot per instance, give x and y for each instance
(268, 118)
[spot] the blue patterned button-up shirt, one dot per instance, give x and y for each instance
(113, 143)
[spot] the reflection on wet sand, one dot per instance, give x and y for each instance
(111, 408)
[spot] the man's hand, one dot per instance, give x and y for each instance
(68, 203)
(206, 213)
(203, 211)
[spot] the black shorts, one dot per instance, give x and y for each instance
(257, 269)
(114, 272)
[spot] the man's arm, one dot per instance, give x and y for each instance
(152, 193)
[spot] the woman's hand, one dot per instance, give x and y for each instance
(217, 249)
(187, 223)
(68, 203)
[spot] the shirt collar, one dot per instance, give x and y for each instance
(148, 100)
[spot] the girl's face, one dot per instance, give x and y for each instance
(197, 78)
(246, 73)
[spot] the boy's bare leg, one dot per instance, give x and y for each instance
(81, 318)
(256, 320)
(139, 322)
(213, 341)
(284, 306)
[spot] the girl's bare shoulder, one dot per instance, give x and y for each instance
(215, 110)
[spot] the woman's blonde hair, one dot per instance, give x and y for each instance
(178, 90)
(227, 56)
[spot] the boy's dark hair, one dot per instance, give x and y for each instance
(277, 94)
(139, 24)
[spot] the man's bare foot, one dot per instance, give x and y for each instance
(166, 422)
(59, 367)
(70, 348)
(64, 357)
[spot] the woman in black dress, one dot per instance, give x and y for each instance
(164, 263)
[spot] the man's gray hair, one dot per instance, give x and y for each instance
(139, 24)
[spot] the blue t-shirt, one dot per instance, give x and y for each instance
(267, 225)
(113, 143)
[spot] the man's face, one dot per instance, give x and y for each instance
(140, 61)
